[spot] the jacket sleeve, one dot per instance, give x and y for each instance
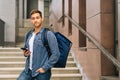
(53, 45)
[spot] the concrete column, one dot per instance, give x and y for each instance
(20, 13)
(107, 35)
(41, 6)
(25, 9)
(8, 15)
(119, 33)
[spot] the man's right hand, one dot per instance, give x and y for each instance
(26, 53)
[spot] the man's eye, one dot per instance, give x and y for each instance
(37, 17)
(32, 18)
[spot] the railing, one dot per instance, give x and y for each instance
(98, 45)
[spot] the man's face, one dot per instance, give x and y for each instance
(36, 20)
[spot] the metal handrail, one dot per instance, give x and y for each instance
(98, 45)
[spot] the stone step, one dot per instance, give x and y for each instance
(20, 39)
(12, 63)
(20, 53)
(109, 78)
(11, 54)
(15, 59)
(66, 77)
(54, 77)
(27, 23)
(67, 70)
(18, 58)
(12, 59)
(19, 44)
(22, 31)
(21, 64)
(70, 58)
(7, 49)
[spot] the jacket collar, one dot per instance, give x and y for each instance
(40, 31)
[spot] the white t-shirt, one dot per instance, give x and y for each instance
(31, 41)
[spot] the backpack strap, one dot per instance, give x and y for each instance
(45, 41)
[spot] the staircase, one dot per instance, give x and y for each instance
(21, 31)
(12, 63)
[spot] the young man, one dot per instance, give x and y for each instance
(38, 63)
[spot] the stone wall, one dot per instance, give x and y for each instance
(97, 18)
(8, 15)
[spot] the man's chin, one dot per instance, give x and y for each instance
(37, 26)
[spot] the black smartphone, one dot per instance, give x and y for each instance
(24, 49)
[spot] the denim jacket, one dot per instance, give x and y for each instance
(40, 54)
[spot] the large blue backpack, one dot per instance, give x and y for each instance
(64, 46)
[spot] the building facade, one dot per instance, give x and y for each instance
(99, 18)
(15, 15)
(8, 15)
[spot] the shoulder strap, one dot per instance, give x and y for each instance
(44, 36)
(45, 41)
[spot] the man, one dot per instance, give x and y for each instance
(38, 63)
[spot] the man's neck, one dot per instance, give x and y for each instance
(37, 29)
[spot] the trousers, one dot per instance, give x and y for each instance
(28, 76)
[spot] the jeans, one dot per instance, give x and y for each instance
(41, 76)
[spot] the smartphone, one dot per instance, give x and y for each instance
(24, 49)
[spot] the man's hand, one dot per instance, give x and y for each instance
(26, 53)
(41, 70)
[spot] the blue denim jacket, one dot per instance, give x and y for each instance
(40, 54)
